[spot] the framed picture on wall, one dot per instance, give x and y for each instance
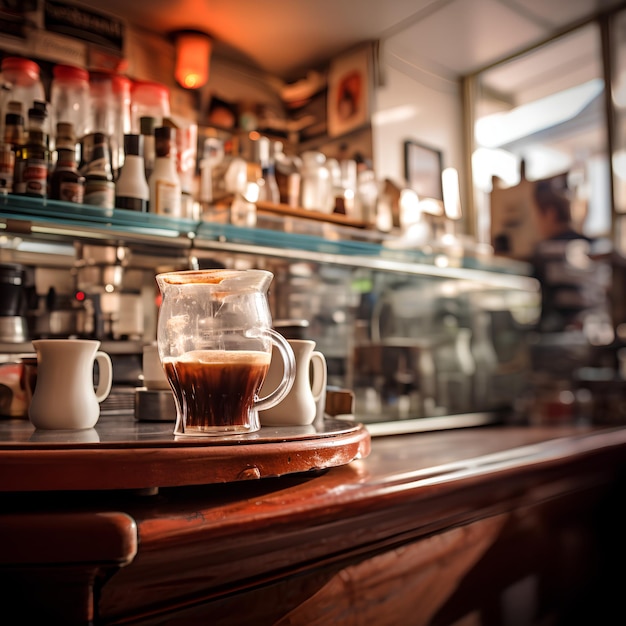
(349, 87)
(422, 169)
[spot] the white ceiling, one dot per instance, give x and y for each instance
(286, 38)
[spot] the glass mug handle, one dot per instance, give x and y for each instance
(289, 373)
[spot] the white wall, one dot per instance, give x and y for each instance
(413, 103)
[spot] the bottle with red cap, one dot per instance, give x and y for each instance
(69, 97)
(21, 83)
(121, 115)
(149, 99)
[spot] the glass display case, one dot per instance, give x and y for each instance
(425, 338)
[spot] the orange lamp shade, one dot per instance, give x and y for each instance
(193, 51)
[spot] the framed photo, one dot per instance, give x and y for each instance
(422, 169)
(349, 86)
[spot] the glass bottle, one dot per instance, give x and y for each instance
(287, 172)
(99, 185)
(23, 85)
(254, 187)
(14, 133)
(13, 139)
(262, 155)
(316, 187)
(131, 188)
(66, 183)
(367, 195)
(101, 104)
(269, 174)
(34, 156)
(164, 183)
(228, 173)
(121, 117)
(66, 137)
(212, 155)
(149, 99)
(69, 97)
(348, 168)
(147, 125)
(7, 167)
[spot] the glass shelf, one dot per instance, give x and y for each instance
(61, 217)
(66, 222)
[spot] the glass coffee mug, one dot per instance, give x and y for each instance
(215, 338)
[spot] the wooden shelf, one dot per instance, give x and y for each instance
(285, 210)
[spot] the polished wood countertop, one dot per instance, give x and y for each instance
(234, 536)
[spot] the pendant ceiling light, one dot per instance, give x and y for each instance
(193, 54)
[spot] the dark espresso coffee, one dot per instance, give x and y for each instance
(215, 389)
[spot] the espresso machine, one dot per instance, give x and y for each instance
(100, 275)
(13, 303)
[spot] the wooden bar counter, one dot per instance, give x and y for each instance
(491, 525)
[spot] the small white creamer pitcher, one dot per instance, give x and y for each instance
(300, 406)
(64, 396)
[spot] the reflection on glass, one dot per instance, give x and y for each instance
(88, 435)
(541, 115)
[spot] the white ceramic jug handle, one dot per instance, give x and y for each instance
(105, 375)
(319, 374)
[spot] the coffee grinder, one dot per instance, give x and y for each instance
(13, 323)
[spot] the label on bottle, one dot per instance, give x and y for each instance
(18, 179)
(100, 192)
(35, 177)
(6, 181)
(7, 164)
(97, 165)
(72, 192)
(131, 204)
(167, 198)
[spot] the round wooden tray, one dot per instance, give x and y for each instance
(122, 453)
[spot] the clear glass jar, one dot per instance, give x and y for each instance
(102, 104)
(70, 97)
(148, 99)
(121, 86)
(22, 83)
(316, 185)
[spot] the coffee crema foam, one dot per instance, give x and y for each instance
(252, 357)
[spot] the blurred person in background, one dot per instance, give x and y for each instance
(574, 284)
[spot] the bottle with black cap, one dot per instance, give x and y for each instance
(147, 126)
(66, 183)
(14, 139)
(164, 183)
(131, 188)
(99, 185)
(32, 159)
